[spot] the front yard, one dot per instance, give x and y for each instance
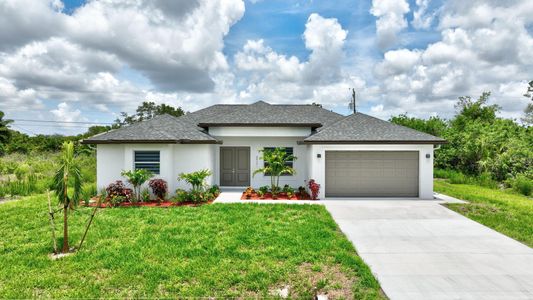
(220, 250)
(505, 211)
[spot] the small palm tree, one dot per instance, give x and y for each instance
(196, 179)
(276, 165)
(136, 178)
(68, 175)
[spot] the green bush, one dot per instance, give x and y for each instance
(182, 196)
(523, 185)
(457, 178)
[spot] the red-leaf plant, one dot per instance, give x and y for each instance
(118, 189)
(314, 188)
(159, 188)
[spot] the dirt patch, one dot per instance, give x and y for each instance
(310, 281)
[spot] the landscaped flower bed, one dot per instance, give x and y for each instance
(165, 203)
(265, 193)
(281, 196)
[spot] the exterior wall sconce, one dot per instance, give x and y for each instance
(318, 155)
(428, 155)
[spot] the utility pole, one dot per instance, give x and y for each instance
(353, 105)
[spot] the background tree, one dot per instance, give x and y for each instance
(5, 133)
(147, 111)
(479, 141)
(68, 175)
(528, 111)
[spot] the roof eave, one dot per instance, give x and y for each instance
(181, 141)
(312, 125)
(425, 142)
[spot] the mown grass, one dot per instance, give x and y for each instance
(505, 211)
(215, 250)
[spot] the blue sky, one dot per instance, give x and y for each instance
(88, 61)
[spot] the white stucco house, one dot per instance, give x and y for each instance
(349, 156)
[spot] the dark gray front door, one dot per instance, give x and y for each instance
(234, 166)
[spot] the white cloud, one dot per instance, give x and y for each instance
(65, 113)
(390, 20)
(421, 18)
(483, 47)
(285, 79)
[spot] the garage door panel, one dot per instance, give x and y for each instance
(371, 173)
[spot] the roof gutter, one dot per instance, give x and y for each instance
(371, 142)
(181, 141)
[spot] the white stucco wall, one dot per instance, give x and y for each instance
(178, 158)
(317, 165)
(174, 159)
(260, 131)
(258, 143)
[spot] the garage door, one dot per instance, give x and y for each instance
(371, 173)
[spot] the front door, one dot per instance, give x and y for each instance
(234, 166)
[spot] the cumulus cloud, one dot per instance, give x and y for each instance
(484, 46)
(46, 54)
(286, 79)
(65, 113)
(390, 20)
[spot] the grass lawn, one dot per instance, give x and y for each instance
(505, 211)
(219, 250)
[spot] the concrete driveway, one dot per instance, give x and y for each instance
(421, 250)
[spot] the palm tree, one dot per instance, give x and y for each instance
(276, 165)
(136, 178)
(4, 130)
(68, 175)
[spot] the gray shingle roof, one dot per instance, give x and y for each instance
(361, 128)
(331, 127)
(163, 129)
(262, 113)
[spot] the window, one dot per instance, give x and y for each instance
(289, 151)
(148, 160)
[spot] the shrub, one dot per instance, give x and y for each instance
(485, 179)
(314, 188)
(159, 188)
(88, 191)
(196, 179)
(145, 195)
(264, 189)
(522, 184)
(215, 190)
(117, 191)
(182, 196)
(457, 178)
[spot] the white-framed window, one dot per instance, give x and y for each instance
(288, 150)
(148, 160)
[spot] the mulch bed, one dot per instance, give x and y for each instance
(281, 196)
(150, 204)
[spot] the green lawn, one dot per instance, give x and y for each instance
(220, 250)
(505, 211)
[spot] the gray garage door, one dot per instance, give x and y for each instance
(371, 174)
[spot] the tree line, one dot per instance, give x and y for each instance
(13, 141)
(479, 142)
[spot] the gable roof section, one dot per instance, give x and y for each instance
(160, 129)
(263, 114)
(330, 127)
(359, 128)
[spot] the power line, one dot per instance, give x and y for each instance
(23, 129)
(63, 122)
(57, 126)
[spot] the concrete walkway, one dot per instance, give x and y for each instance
(421, 250)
